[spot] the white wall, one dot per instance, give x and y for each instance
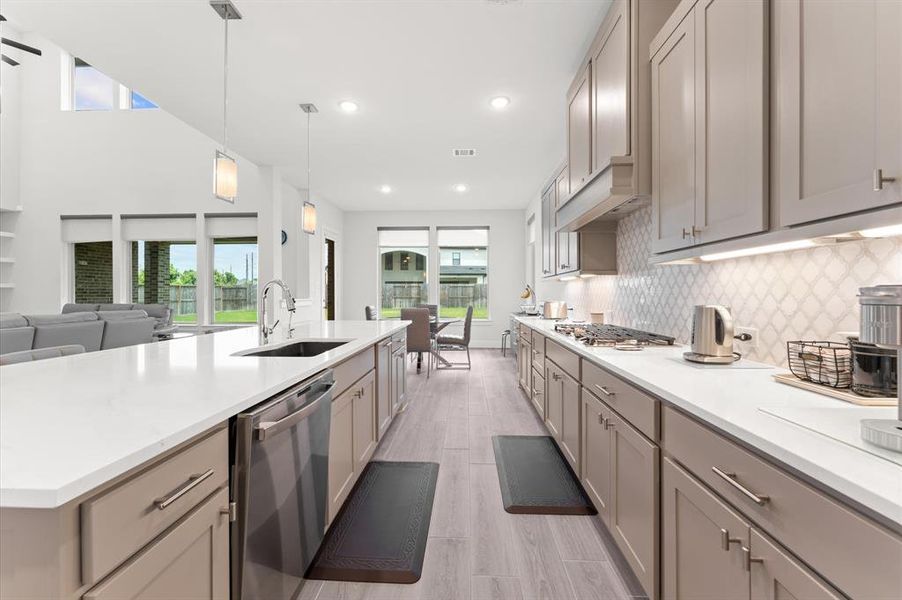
(122, 162)
(506, 261)
(10, 116)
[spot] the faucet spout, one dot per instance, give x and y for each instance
(267, 330)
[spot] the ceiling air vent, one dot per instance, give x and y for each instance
(463, 152)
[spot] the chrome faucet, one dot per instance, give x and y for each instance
(265, 331)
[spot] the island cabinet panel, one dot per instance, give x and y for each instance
(365, 431)
(384, 410)
(634, 521)
(702, 541)
(351, 370)
(579, 130)
(776, 575)
(538, 392)
(596, 464)
(858, 556)
(554, 400)
(837, 106)
(341, 451)
(190, 560)
(610, 87)
(118, 522)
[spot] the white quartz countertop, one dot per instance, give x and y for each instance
(811, 434)
(68, 425)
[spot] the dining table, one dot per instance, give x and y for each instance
(436, 325)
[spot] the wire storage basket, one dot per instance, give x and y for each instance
(826, 363)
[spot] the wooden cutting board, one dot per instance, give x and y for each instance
(845, 395)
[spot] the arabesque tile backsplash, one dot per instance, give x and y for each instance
(806, 294)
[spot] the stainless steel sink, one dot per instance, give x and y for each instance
(299, 349)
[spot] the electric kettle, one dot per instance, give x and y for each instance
(712, 335)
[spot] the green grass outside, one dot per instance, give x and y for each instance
(445, 312)
(228, 316)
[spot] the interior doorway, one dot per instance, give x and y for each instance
(329, 279)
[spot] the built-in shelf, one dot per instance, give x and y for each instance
(7, 260)
(11, 209)
(7, 235)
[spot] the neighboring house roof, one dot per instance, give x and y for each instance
(462, 270)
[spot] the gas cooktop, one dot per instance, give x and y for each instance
(612, 335)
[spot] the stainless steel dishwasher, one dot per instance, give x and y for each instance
(280, 481)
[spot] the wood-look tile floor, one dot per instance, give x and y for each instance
(476, 551)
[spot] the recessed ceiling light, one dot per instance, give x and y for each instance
(348, 106)
(385, 189)
(500, 102)
(460, 188)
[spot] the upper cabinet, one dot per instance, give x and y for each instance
(709, 142)
(579, 130)
(837, 107)
(608, 118)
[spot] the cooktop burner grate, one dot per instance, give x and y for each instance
(609, 335)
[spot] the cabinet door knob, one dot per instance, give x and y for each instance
(748, 559)
(726, 540)
(879, 180)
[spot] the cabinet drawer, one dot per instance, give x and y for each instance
(538, 392)
(538, 352)
(117, 523)
(640, 409)
(857, 555)
(353, 369)
(562, 357)
(525, 332)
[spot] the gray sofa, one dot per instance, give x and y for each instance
(99, 330)
(12, 358)
(162, 314)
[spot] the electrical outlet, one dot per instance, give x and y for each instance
(752, 331)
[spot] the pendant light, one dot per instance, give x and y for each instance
(308, 211)
(225, 167)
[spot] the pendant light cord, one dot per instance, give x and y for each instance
(308, 157)
(225, 90)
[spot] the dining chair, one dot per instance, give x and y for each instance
(457, 342)
(370, 312)
(419, 339)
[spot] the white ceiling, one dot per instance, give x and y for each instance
(422, 71)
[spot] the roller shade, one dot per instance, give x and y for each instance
(75, 230)
(460, 237)
(404, 237)
(171, 229)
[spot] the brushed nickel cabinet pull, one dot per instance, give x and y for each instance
(748, 559)
(193, 481)
(731, 479)
(686, 233)
(605, 391)
(879, 180)
(601, 419)
(726, 540)
(609, 424)
(555, 376)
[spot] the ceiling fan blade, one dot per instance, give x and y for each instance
(8, 60)
(22, 47)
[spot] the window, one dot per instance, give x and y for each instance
(92, 90)
(463, 272)
(406, 285)
(235, 280)
(93, 272)
(166, 273)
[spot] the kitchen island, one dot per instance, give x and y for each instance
(658, 441)
(89, 444)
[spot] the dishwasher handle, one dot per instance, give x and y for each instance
(267, 429)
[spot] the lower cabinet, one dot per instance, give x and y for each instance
(189, 561)
(398, 376)
(384, 371)
(596, 468)
(702, 541)
(554, 400)
(570, 423)
(538, 393)
(524, 364)
(353, 438)
(777, 575)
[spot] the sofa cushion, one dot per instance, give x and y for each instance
(118, 315)
(10, 319)
(114, 306)
(40, 354)
(83, 333)
(160, 312)
(16, 339)
(127, 332)
(76, 317)
(72, 307)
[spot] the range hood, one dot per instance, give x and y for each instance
(608, 196)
